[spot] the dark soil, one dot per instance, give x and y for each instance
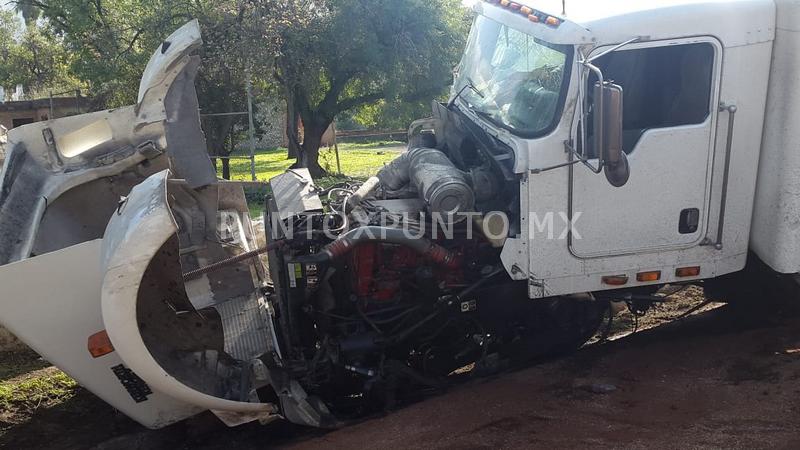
(723, 378)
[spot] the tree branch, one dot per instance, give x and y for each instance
(132, 43)
(351, 103)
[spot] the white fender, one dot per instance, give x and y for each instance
(134, 236)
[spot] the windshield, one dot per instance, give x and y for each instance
(512, 78)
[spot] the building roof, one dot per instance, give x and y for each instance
(39, 103)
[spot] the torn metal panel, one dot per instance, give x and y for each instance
(188, 156)
(167, 95)
(98, 157)
(38, 173)
(180, 43)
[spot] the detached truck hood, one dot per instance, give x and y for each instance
(100, 216)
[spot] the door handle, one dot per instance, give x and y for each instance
(731, 109)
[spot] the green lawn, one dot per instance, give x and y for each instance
(358, 160)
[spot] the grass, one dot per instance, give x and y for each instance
(27, 384)
(358, 160)
(42, 407)
(44, 386)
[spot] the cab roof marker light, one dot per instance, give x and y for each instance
(532, 14)
(552, 21)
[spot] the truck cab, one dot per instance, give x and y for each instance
(692, 81)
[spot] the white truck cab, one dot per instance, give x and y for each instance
(707, 89)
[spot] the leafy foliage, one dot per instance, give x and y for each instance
(337, 55)
(383, 60)
(33, 56)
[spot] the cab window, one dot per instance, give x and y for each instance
(663, 87)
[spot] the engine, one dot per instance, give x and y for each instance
(389, 288)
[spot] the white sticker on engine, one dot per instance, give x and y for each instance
(292, 276)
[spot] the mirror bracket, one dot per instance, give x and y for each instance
(617, 171)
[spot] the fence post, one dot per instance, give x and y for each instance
(336, 149)
(252, 127)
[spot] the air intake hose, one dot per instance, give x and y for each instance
(438, 181)
(346, 242)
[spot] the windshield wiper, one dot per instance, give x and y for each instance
(469, 85)
(484, 114)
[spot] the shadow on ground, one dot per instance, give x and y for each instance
(725, 378)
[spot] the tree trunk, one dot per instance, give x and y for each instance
(226, 168)
(292, 126)
(310, 149)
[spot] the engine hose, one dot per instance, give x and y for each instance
(233, 260)
(348, 241)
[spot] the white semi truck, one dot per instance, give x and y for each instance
(660, 134)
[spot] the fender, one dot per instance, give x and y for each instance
(52, 303)
(135, 236)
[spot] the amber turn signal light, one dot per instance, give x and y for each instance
(654, 275)
(687, 271)
(100, 344)
(615, 280)
(552, 21)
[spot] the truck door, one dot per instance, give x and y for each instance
(670, 96)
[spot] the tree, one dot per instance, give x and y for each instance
(335, 55)
(111, 41)
(34, 57)
(390, 115)
(29, 13)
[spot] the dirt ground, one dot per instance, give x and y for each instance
(724, 378)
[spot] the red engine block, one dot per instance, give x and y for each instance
(379, 268)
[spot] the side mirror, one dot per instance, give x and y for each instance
(608, 132)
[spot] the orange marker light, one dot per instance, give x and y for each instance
(687, 271)
(533, 18)
(100, 344)
(648, 276)
(615, 280)
(505, 2)
(552, 21)
(525, 10)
